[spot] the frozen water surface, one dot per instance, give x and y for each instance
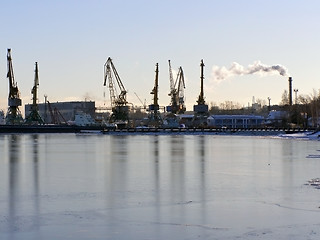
(66, 186)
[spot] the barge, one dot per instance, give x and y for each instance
(47, 128)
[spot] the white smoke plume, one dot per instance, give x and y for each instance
(222, 73)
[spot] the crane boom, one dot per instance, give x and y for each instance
(10, 74)
(13, 87)
(123, 91)
(55, 114)
(180, 89)
(172, 88)
(121, 99)
(108, 75)
(143, 104)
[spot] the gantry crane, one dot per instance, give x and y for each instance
(176, 92)
(14, 101)
(34, 116)
(154, 116)
(120, 109)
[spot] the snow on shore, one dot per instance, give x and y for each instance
(302, 135)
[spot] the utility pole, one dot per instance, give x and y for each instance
(45, 108)
(296, 95)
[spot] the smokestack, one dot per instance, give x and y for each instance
(290, 91)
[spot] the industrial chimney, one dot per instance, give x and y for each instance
(290, 91)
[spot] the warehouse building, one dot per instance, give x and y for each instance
(235, 121)
(59, 112)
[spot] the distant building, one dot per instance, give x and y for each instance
(186, 119)
(235, 121)
(314, 122)
(2, 117)
(276, 118)
(256, 106)
(64, 111)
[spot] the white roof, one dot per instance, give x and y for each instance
(236, 116)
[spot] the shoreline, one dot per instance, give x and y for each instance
(148, 130)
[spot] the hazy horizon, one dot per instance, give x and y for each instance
(72, 40)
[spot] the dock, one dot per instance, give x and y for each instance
(146, 130)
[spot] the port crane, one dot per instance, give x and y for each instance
(176, 92)
(14, 101)
(34, 116)
(154, 116)
(180, 88)
(201, 109)
(55, 115)
(143, 103)
(120, 109)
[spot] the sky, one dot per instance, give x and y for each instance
(72, 39)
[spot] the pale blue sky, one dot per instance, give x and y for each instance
(71, 40)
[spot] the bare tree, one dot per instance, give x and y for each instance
(314, 107)
(262, 102)
(284, 98)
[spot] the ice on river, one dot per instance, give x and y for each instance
(67, 186)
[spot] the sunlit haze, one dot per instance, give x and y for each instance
(71, 40)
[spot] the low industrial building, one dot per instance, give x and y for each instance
(276, 118)
(186, 119)
(235, 121)
(58, 112)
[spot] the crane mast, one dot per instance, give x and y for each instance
(201, 109)
(120, 110)
(14, 101)
(173, 108)
(201, 96)
(155, 88)
(154, 117)
(34, 90)
(180, 90)
(34, 116)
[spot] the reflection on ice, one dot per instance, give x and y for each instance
(313, 156)
(302, 135)
(315, 182)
